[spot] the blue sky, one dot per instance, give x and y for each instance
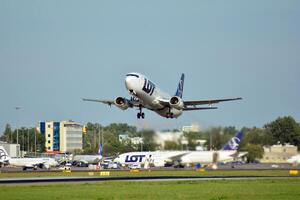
(53, 53)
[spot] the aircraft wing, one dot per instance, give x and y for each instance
(131, 102)
(198, 108)
(208, 102)
(178, 157)
(108, 102)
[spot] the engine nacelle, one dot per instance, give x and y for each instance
(176, 102)
(121, 103)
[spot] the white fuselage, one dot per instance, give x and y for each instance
(32, 162)
(294, 159)
(157, 158)
(91, 159)
(160, 158)
(206, 157)
(149, 95)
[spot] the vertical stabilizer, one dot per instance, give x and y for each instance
(179, 90)
(3, 154)
(234, 142)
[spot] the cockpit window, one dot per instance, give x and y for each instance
(135, 75)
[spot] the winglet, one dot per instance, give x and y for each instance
(234, 142)
(179, 90)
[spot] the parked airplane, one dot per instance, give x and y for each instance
(3, 156)
(145, 94)
(157, 158)
(161, 158)
(27, 163)
(295, 160)
(90, 159)
(227, 154)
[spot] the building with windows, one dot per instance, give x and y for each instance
(192, 128)
(278, 153)
(61, 137)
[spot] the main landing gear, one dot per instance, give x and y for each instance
(140, 114)
(169, 114)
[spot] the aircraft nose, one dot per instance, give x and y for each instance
(129, 83)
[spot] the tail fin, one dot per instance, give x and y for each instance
(234, 142)
(3, 154)
(179, 90)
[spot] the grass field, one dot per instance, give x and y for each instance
(156, 173)
(287, 189)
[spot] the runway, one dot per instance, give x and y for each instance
(46, 180)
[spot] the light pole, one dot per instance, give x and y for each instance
(28, 141)
(17, 108)
(102, 141)
(35, 142)
(142, 141)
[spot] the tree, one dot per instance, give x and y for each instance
(171, 145)
(148, 140)
(255, 151)
(284, 130)
(7, 135)
(220, 136)
(191, 138)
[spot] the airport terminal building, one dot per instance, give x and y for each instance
(62, 137)
(278, 153)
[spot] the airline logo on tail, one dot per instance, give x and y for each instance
(234, 142)
(180, 87)
(3, 154)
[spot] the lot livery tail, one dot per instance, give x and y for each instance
(234, 142)
(179, 90)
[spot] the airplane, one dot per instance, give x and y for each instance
(295, 160)
(227, 154)
(27, 163)
(89, 159)
(145, 94)
(183, 158)
(157, 158)
(3, 156)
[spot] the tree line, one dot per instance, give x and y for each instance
(280, 131)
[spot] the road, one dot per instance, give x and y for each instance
(46, 180)
(259, 166)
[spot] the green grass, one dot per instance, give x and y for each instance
(157, 173)
(210, 190)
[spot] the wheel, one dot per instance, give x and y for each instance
(139, 115)
(171, 115)
(143, 115)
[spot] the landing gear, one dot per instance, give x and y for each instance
(140, 114)
(169, 114)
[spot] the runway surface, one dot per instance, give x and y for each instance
(39, 180)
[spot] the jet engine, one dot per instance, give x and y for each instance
(176, 102)
(122, 103)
